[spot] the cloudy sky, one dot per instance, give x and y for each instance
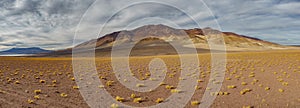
(51, 24)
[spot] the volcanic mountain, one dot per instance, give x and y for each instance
(164, 40)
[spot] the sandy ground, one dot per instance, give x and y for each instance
(271, 77)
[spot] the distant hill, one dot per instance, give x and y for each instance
(295, 45)
(31, 50)
(156, 39)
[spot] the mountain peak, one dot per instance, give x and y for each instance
(155, 30)
(154, 26)
(158, 27)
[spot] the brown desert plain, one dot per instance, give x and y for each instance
(258, 74)
(252, 79)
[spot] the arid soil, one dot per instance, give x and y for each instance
(252, 79)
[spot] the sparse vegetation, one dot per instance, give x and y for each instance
(246, 76)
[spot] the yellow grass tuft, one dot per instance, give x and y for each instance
(199, 80)
(162, 83)
(36, 97)
(231, 86)
(195, 103)
(37, 91)
(244, 91)
(267, 88)
(159, 100)
(133, 96)
(197, 87)
(120, 99)
(30, 101)
(255, 80)
(252, 75)
(280, 80)
(169, 87)
(54, 81)
(109, 83)
(137, 100)
(247, 106)
(281, 90)
(175, 91)
(17, 82)
(226, 93)
(75, 87)
(63, 95)
(114, 105)
(42, 81)
(285, 83)
(244, 83)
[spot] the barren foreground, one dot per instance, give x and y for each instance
(252, 79)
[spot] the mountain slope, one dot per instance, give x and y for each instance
(157, 39)
(32, 50)
(170, 34)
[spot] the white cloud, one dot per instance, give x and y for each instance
(52, 23)
(43, 23)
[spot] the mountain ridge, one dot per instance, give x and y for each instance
(164, 35)
(29, 50)
(163, 32)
